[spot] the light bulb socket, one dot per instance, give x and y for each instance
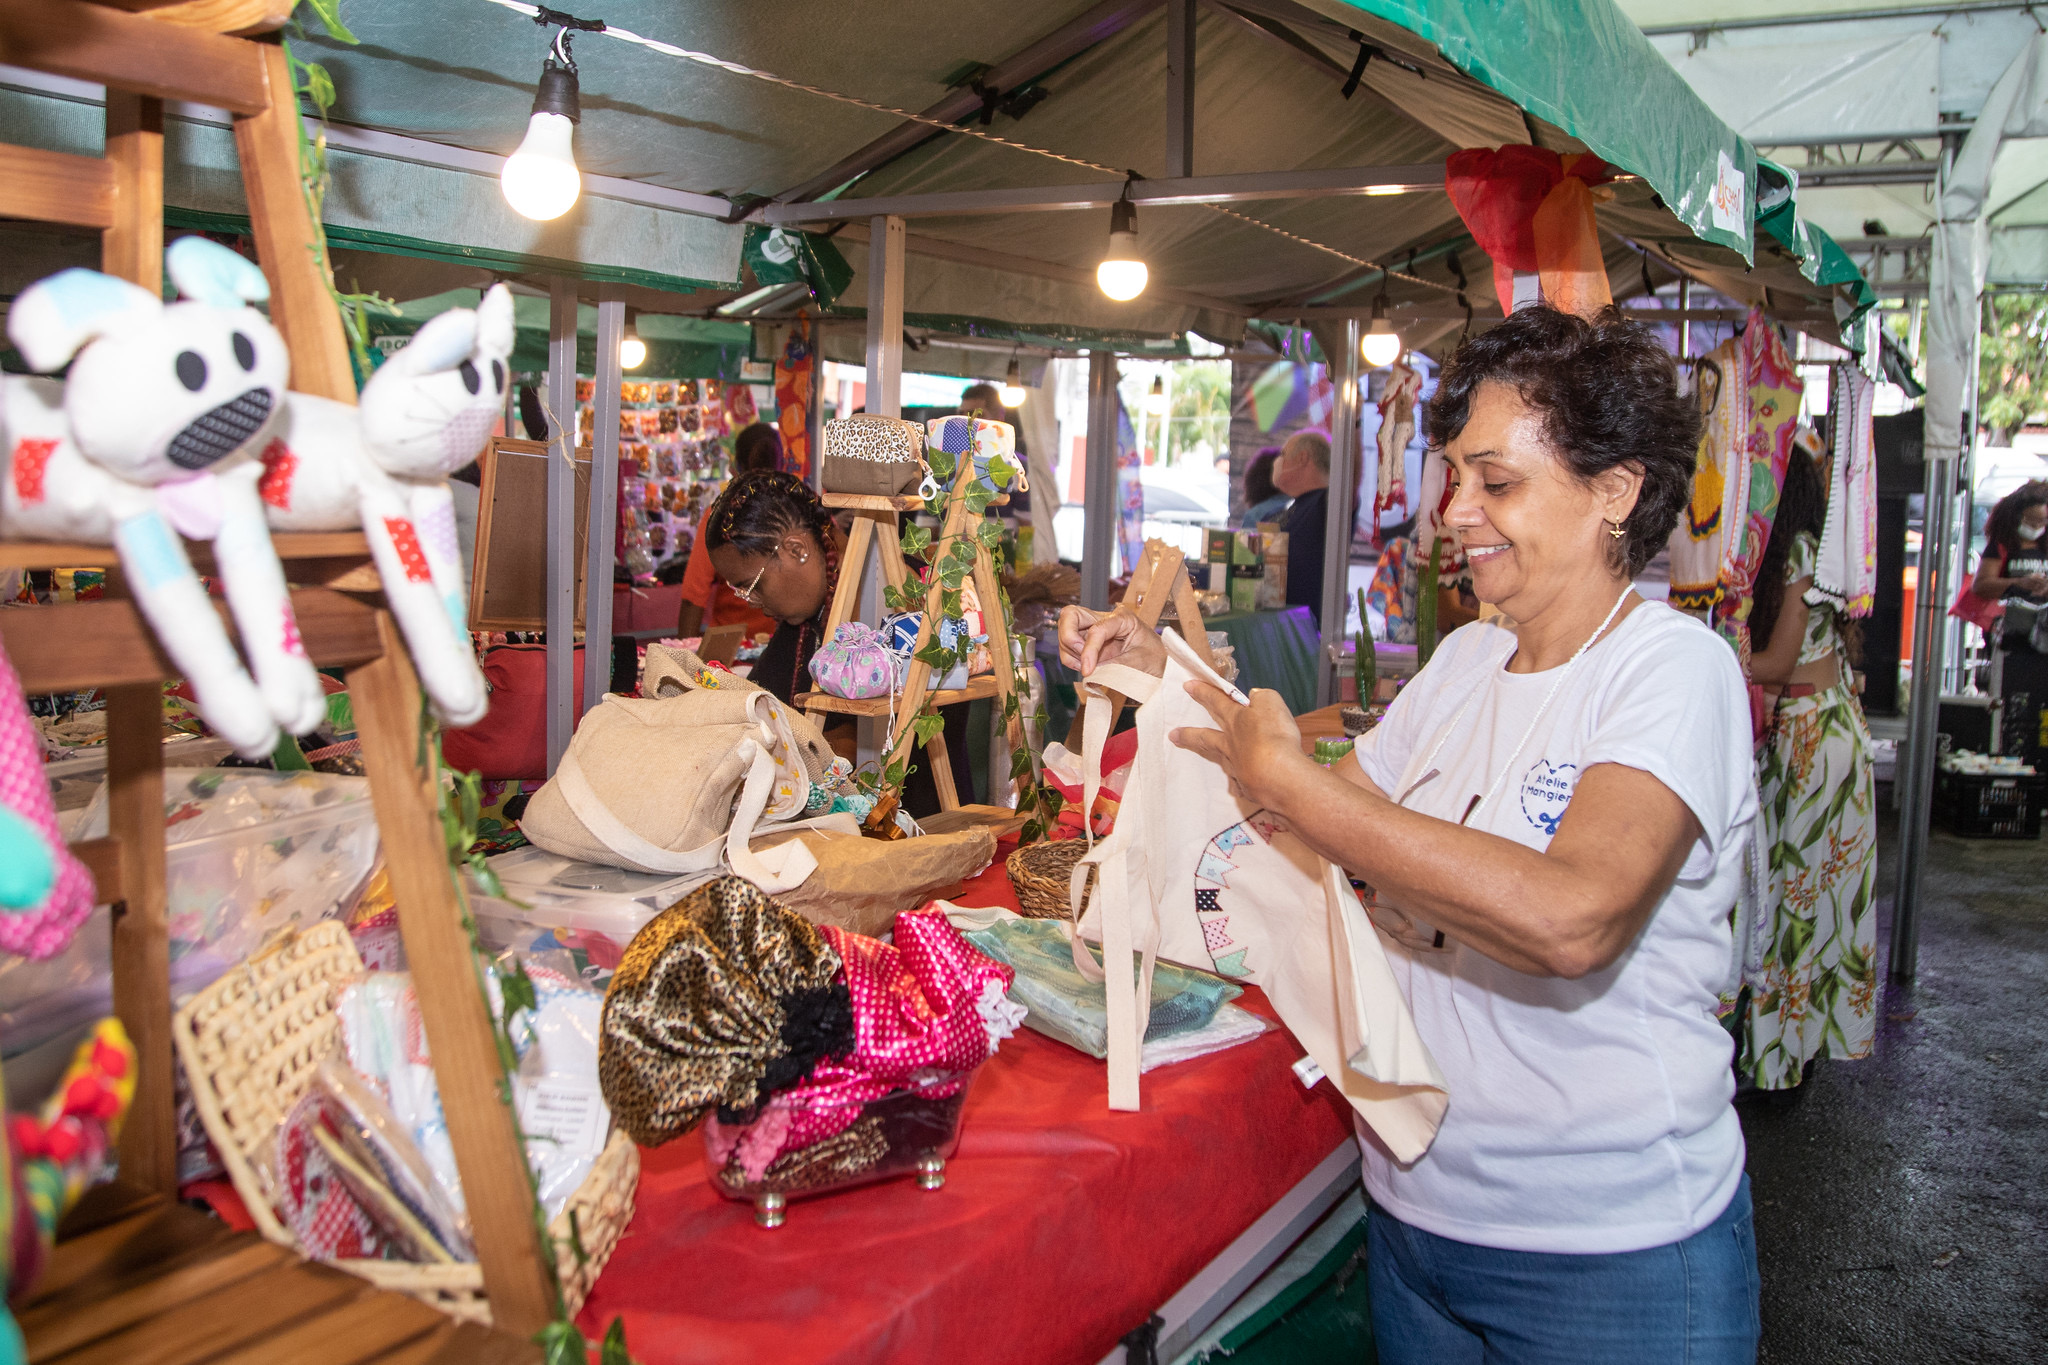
(1123, 217)
(558, 93)
(1015, 376)
(632, 332)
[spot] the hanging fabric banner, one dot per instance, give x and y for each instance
(1130, 490)
(794, 371)
(1772, 389)
(1531, 211)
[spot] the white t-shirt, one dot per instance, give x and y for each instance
(1589, 1115)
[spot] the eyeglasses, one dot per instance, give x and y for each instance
(746, 594)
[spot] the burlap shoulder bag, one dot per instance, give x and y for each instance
(680, 782)
(1198, 876)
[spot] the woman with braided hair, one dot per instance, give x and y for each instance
(775, 547)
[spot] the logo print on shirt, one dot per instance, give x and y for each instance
(1546, 791)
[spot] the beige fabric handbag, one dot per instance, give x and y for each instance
(681, 783)
(1198, 876)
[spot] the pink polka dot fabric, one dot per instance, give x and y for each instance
(45, 930)
(915, 1014)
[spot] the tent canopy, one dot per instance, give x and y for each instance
(679, 155)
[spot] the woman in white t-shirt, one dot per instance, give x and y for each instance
(1552, 818)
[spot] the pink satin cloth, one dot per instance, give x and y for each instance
(917, 1017)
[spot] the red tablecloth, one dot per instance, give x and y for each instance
(1061, 1225)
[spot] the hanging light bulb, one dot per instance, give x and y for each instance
(1381, 345)
(540, 180)
(1122, 275)
(1155, 401)
(632, 350)
(1013, 393)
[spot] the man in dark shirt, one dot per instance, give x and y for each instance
(1303, 473)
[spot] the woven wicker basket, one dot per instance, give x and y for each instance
(251, 1042)
(1043, 874)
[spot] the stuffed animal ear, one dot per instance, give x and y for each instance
(446, 341)
(209, 273)
(56, 316)
(494, 322)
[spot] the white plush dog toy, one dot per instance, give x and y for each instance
(153, 433)
(383, 466)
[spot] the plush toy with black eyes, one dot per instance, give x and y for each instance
(383, 465)
(154, 433)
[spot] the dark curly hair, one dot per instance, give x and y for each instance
(1608, 394)
(758, 446)
(759, 508)
(1802, 509)
(1258, 476)
(2002, 527)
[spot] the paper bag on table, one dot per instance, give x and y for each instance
(860, 884)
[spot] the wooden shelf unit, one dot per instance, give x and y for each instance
(136, 1278)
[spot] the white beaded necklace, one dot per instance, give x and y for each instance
(1429, 764)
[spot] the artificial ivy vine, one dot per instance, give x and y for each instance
(311, 80)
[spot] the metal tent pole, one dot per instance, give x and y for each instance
(561, 546)
(1180, 88)
(601, 542)
(885, 317)
(1339, 516)
(1098, 535)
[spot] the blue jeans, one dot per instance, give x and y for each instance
(1440, 1302)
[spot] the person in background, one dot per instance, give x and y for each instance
(1818, 820)
(1553, 820)
(2015, 562)
(1303, 473)
(705, 602)
(1262, 501)
(774, 546)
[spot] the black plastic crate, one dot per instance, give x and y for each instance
(1990, 805)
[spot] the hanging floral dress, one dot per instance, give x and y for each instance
(1816, 994)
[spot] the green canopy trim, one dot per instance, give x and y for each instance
(677, 347)
(1585, 67)
(1821, 259)
(785, 256)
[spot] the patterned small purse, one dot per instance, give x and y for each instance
(876, 456)
(994, 445)
(855, 663)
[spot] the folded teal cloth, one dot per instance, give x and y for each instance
(1065, 1005)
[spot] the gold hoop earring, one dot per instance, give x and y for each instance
(1614, 529)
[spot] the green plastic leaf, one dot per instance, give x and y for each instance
(978, 497)
(329, 12)
(614, 1351)
(561, 1344)
(927, 726)
(320, 89)
(989, 534)
(937, 655)
(941, 463)
(1000, 473)
(916, 538)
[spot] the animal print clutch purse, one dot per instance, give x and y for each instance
(876, 455)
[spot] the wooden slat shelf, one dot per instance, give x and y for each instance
(166, 1285)
(976, 689)
(998, 820)
(128, 52)
(872, 502)
(70, 646)
(292, 547)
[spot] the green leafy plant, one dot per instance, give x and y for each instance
(1365, 664)
(1425, 604)
(311, 80)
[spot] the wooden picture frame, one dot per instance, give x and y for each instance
(509, 572)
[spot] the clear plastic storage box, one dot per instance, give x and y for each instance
(588, 910)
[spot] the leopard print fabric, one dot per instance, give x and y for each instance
(719, 1001)
(870, 453)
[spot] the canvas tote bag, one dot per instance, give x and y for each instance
(681, 780)
(1201, 877)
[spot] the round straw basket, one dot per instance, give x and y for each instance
(1043, 874)
(250, 1043)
